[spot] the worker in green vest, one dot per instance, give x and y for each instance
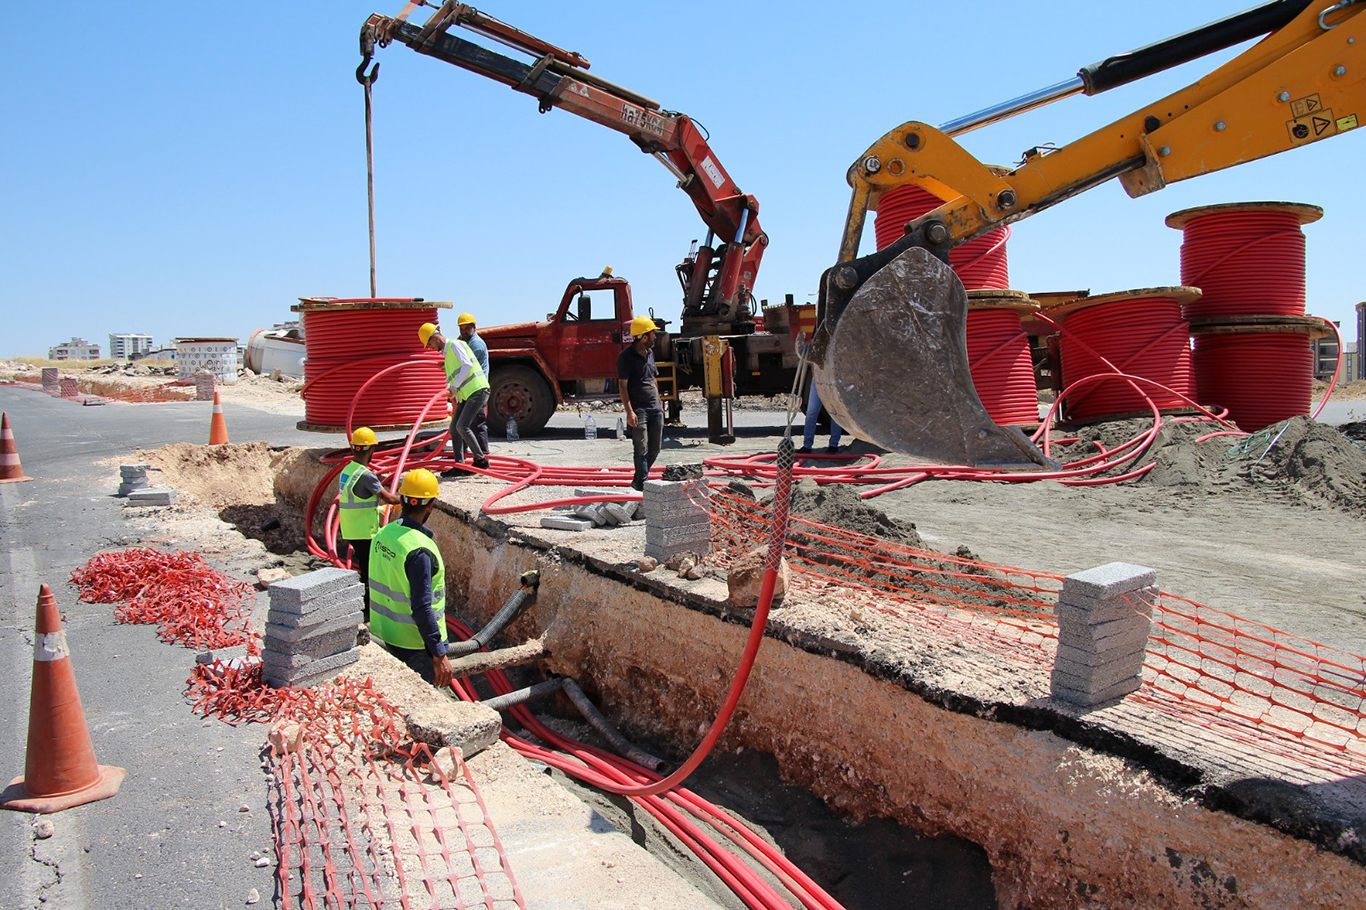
(359, 493)
(408, 583)
(468, 385)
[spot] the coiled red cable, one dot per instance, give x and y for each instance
(1002, 366)
(1261, 377)
(343, 348)
(1141, 336)
(1245, 262)
(979, 263)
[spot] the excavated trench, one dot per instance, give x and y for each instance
(1039, 803)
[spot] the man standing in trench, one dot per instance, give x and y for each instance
(639, 381)
(359, 493)
(470, 389)
(408, 583)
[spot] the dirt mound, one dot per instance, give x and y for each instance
(216, 476)
(840, 506)
(1317, 463)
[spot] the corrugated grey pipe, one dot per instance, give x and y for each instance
(521, 696)
(598, 721)
(522, 598)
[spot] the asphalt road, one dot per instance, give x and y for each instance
(158, 842)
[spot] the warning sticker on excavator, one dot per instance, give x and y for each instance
(1317, 125)
(1309, 104)
(1347, 123)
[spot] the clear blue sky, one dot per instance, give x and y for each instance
(193, 169)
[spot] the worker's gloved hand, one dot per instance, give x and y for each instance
(441, 667)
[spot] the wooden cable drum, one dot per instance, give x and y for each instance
(1247, 258)
(979, 263)
(347, 342)
(999, 355)
(1260, 368)
(1138, 333)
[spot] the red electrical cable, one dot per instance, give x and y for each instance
(1002, 366)
(980, 263)
(1262, 378)
(1140, 336)
(1245, 263)
(344, 348)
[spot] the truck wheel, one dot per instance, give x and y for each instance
(521, 392)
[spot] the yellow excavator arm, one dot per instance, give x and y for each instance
(1304, 81)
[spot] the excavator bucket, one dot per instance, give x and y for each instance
(891, 364)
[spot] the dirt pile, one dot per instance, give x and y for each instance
(216, 476)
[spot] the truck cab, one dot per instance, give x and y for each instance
(572, 355)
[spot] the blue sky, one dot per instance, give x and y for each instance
(194, 169)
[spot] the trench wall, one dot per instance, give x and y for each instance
(1063, 825)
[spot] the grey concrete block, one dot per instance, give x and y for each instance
(221, 654)
(617, 513)
(1087, 698)
(679, 511)
(585, 491)
(312, 673)
(1090, 611)
(665, 537)
(311, 585)
(1133, 639)
(288, 667)
(593, 512)
(676, 490)
(349, 599)
(1084, 658)
(663, 552)
(134, 468)
(315, 648)
(1094, 678)
(151, 497)
(1108, 581)
(559, 523)
(297, 628)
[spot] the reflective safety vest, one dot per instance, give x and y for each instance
(391, 607)
(475, 381)
(359, 517)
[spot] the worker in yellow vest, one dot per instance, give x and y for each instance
(359, 493)
(408, 583)
(468, 385)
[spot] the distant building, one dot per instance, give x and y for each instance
(129, 346)
(75, 349)
(161, 353)
(1351, 361)
(1361, 342)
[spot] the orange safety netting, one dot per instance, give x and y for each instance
(1282, 695)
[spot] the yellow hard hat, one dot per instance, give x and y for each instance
(363, 436)
(419, 483)
(465, 319)
(425, 333)
(642, 324)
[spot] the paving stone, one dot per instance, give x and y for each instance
(665, 552)
(1109, 581)
(296, 591)
(565, 523)
(315, 647)
(290, 632)
(1093, 678)
(349, 599)
(151, 497)
(593, 512)
(667, 537)
(1085, 658)
(1134, 639)
(313, 673)
(618, 513)
(277, 666)
(1087, 698)
(1089, 611)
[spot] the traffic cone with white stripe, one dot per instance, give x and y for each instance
(59, 768)
(10, 469)
(218, 429)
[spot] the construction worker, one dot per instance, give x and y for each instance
(466, 383)
(408, 583)
(359, 494)
(639, 382)
(469, 333)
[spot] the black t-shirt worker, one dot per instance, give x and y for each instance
(638, 378)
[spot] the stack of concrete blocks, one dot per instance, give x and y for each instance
(1104, 617)
(311, 627)
(70, 388)
(133, 477)
(677, 517)
(593, 514)
(52, 382)
(204, 385)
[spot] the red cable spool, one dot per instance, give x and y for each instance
(1247, 258)
(347, 341)
(980, 263)
(1140, 333)
(1261, 369)
(999, 355)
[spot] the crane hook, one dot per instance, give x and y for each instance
(361, 77)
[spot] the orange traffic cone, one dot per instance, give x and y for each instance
(218, 430)
(10, 469)
(59, 768)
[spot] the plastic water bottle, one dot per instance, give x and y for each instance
(621, 428)
(512, 428)
(590, 428)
